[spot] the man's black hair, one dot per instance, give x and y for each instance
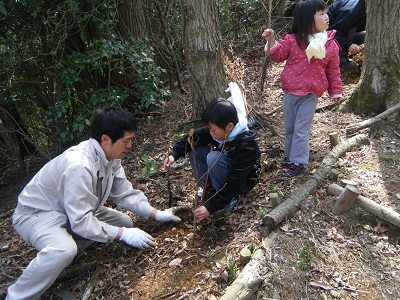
(112, 121)
(220, 112)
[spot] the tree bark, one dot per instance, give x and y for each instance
(203, 50)
(289, 207)
(385, 213)
(132, 21)
(379, 85)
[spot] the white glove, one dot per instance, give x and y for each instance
(167, 215)
(137, 238)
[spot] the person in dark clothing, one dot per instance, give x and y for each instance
(348, 18)
(227, 150)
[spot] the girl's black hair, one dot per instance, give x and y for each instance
(112, 121)
(220, 112)
(303, 19)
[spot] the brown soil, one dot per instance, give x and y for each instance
(317, 255)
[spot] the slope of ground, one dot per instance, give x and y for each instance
(316, 255)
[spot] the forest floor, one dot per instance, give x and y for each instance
(316, 254)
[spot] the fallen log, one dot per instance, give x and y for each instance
(292, 203)
(352, 128)
(385, 213)
(252, 275)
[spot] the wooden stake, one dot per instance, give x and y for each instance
(333, 138)
(384, 213)
(346, 199)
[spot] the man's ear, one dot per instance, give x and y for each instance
(105, 139)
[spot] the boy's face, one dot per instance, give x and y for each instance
(120, 148)
(219, 133)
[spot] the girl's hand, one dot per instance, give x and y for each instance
(337, 100)
(269, 35)
(168, 162)
(201, 213)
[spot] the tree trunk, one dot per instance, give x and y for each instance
(132, 21)
(203, 50)
(379, 85)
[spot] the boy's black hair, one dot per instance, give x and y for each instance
(303, 19)
(220, 112)
(112, 121)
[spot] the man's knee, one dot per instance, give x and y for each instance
(62, 256)
(126, 221)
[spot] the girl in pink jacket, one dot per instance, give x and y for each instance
(312, 67)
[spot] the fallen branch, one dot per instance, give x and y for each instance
(291, 204)
(385, 213)
(252, 275)
(352, 128)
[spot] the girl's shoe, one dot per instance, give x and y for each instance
(292, 170)
(284, 162)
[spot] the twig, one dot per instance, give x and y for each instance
(267, 52)
(6, 214)
(93, 281)
(169, 190)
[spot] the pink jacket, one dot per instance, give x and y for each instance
(300, 76)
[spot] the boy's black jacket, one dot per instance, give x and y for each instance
(244, 154)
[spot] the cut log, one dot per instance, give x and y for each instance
(245, 256)
(346, 199)
(334, 140)
(385, 213)
(352, 128)
(292, 203)
(273, 199)
(334, 174)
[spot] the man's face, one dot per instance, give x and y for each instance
(120, 148)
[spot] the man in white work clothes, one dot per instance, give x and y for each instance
(62, 208)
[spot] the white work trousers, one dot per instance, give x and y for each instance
(47, 232)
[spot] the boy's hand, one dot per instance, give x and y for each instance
(168, 162)
(201, 213)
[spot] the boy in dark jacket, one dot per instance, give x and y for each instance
(227, 150)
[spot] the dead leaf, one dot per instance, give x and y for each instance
(225, 276)
(379, 228)
(175, 262)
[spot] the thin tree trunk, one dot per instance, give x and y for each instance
(203, 50)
